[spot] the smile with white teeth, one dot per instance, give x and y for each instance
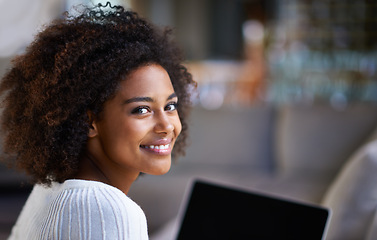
(158, 147)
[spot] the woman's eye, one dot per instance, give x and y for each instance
(141, 110)
(171, 107)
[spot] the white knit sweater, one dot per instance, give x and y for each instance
(79, 209)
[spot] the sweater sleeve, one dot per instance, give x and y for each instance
(95, 213)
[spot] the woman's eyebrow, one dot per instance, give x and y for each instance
(138, 99)
(146, 99)
(173, 95)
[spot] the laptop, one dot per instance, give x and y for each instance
(214, 211)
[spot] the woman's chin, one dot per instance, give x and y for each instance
(161, 169)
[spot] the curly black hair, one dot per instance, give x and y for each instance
(74, 66)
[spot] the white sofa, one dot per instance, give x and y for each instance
(301, 152)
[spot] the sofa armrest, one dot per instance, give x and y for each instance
(353, 196)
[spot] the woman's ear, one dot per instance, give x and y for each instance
(92, 125)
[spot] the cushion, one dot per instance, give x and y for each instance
(319, 138)
(236, 136)
(353, 196)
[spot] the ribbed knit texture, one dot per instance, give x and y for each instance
(79, 209)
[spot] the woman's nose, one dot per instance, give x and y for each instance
(163, 123)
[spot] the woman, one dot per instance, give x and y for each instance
(95, 100)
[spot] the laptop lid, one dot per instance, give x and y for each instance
(218, 212)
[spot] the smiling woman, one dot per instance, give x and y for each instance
(136, 132)
(95, 100)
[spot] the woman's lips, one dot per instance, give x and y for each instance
(162, 147)
(158, 149)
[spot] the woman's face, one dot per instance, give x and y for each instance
(139, 126)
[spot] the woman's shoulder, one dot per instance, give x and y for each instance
(92, 207)
(91, 194)
(78, 209)
(85, 186)
(78, 197)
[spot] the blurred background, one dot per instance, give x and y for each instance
(264, 50)
(280, 82)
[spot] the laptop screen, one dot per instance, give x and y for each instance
(218, 212)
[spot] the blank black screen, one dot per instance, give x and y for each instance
(217, 212)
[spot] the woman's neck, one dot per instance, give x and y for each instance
(91, 169)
